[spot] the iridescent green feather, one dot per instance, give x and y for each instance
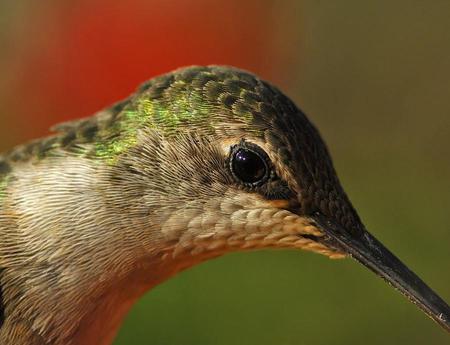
(206, 99)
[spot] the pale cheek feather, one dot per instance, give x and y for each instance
(238, 221)
(50, 198)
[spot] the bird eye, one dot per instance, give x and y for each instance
(248, 164)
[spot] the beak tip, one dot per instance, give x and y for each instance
(368, 251)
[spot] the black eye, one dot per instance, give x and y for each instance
(248, 164)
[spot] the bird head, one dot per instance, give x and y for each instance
(214, 160)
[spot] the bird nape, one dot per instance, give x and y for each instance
(197, 163)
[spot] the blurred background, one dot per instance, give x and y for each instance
(374, 76)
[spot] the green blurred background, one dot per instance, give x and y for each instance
(374, 76)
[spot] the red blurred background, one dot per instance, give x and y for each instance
(68, 59)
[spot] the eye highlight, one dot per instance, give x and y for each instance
(249, 164)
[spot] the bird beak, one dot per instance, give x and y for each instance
(371, 253)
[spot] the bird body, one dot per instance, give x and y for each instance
(197, 163)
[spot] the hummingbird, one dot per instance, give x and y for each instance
(195, 164)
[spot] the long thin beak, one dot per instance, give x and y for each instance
(371, 253)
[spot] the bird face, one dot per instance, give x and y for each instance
(226, 162)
